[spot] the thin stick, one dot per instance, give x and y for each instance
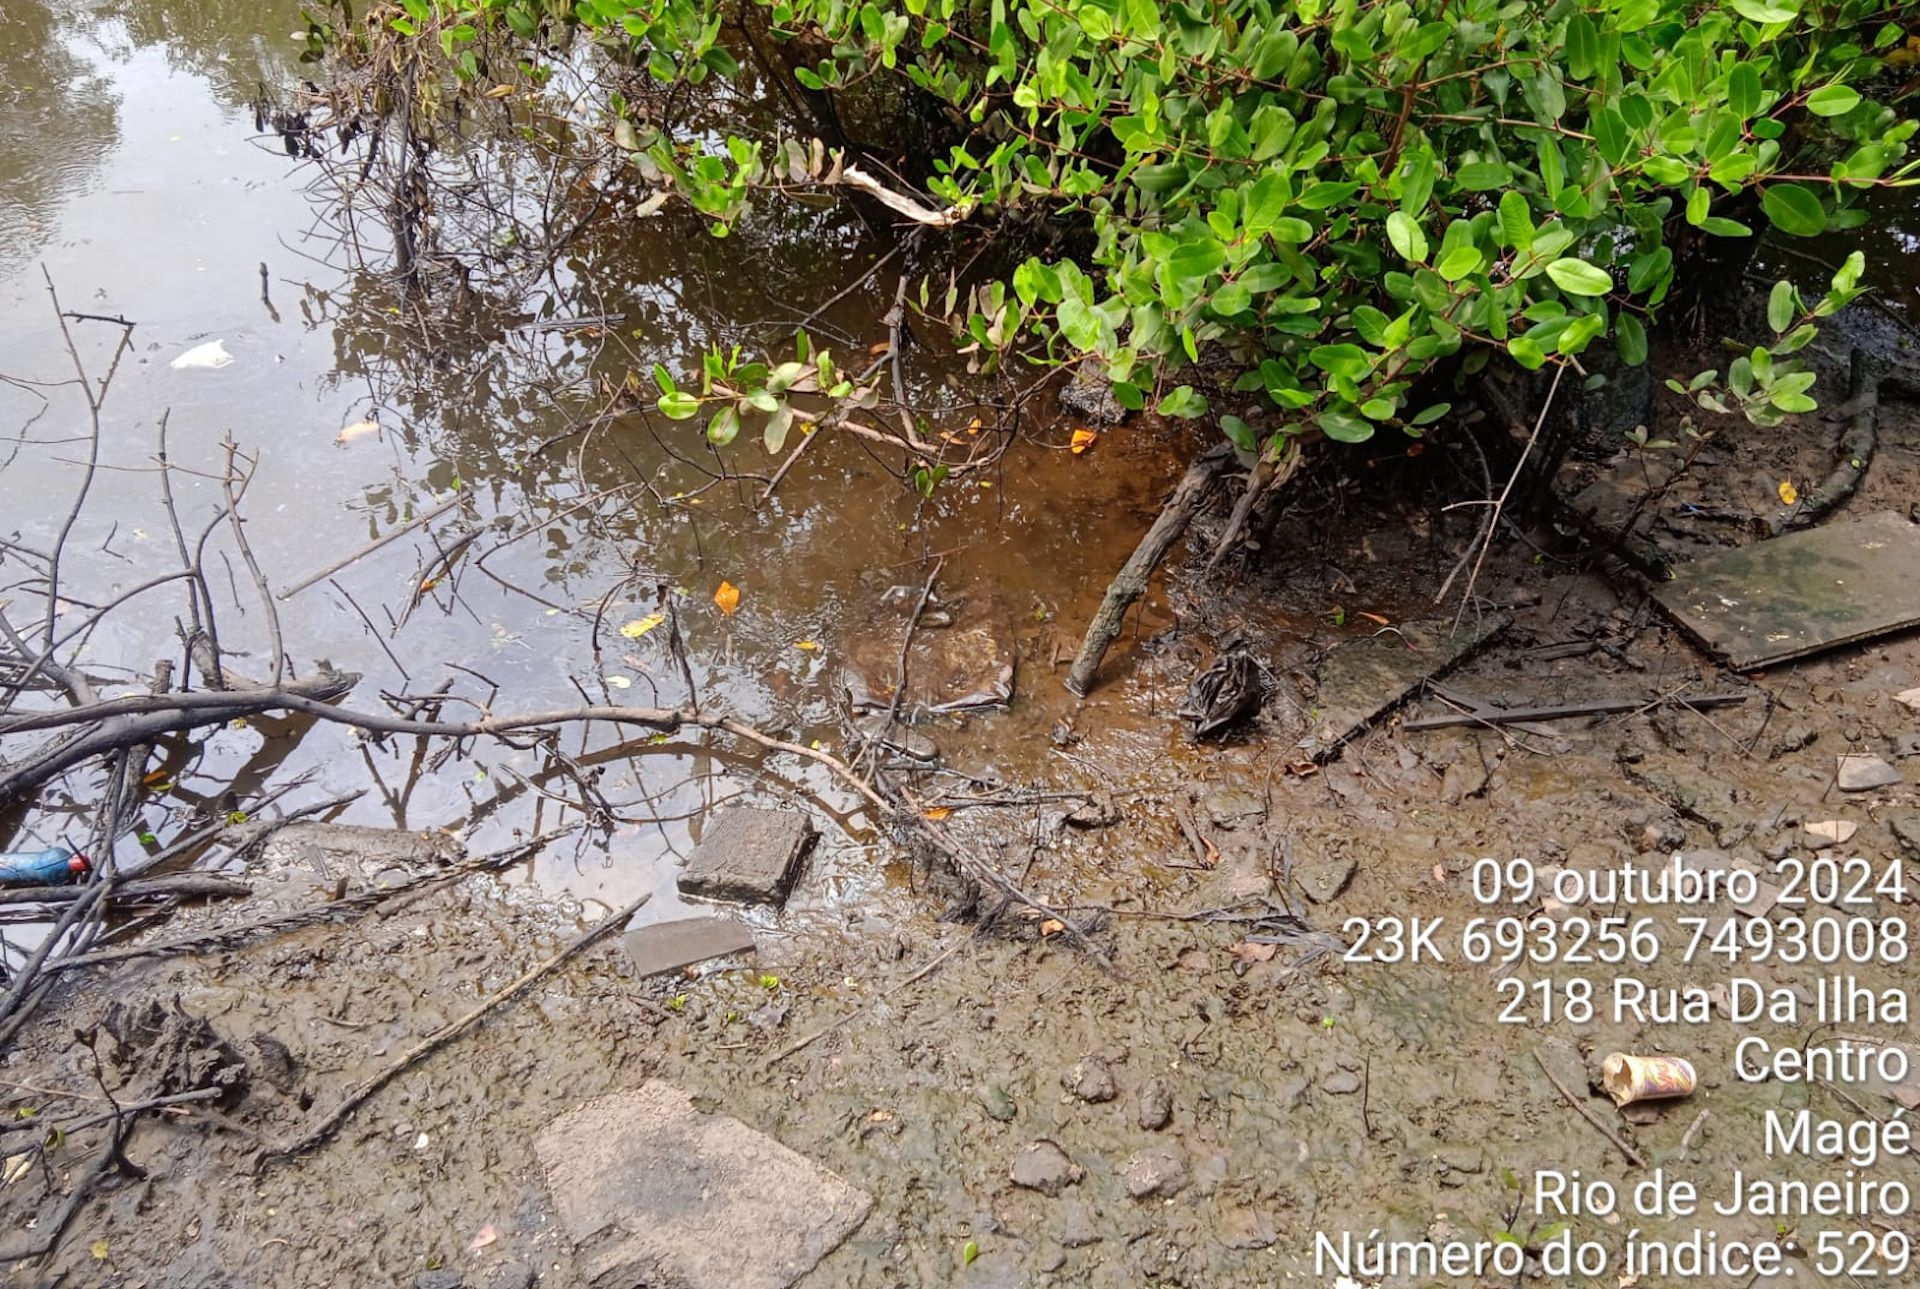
(1562, 711)
(330, 1123)
(397, 531)
(1693, 1128)
(891, 990)
(1500, 505)
(1634, 1157)
(253, 565)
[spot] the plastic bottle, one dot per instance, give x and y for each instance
(54, 866)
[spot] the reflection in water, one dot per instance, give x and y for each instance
(58, 118)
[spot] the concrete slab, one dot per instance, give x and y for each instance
(650, 1191)
(1363, 680)
(669, 946)
(748, 855)
(1792, 596)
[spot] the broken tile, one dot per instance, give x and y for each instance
(1834, 832)
(1774, 600)
(669, 946)
(1859, 772)
(748, 855)
(650, 1190)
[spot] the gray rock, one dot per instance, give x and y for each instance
(1042, 1166)
(1090, 393)
(1230, 806)
(1906, 745)
(508, 1275)
(1090, 1079)
(1795, 738)
(1907, 829)
(1859, 772)
(1156, 1105)
(651, 1191)
(1341, 1083)
(668, 946)
(1077, 1227)
(1157, 1172)
(444, 1278)
(998, 1103)
(748, 855)
(1322, 877)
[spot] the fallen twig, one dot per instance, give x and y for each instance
(918, 975)
(1488, 715)
(1856, 453)
(399, 530)
(1634, 1157)
(331, 1121)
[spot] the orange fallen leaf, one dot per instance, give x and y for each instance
(875, 351)
(727, 597)
(486, 1236)
(1415, 449)
(1082, 440)
(1051, 927)
(937, 813)
(973, 426)
(1376, 619)
(1248, 952)
(1789, 495)
(358, 430)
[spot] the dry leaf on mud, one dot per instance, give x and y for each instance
(1376, 619)
(486, 1236)
(1789, 495)
(811, 646)
(18, 1166)
(937, 813)
(1249, 952)
(1082, 440)
(1051, 927)
(727, 597)
(875, 351)
(358, 430)
(500, 91)
(640, 626)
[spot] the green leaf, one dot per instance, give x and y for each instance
(1833, 100)
(971, 1249)
(1321, 195)
(1516, 221)
(1780, 307)
(1743, 90)
(1345, 427)
(1428, 415)
(1630, 339)
(1241, 434)
(1349, 361)
(775, 435)
(1583, 46)
(1761, 12)
(1794, 210)
(724, 426)
(1577, 277)
(1459, 262)
(1406, 237)
(1230, 299)
(678, 406)
(1182, 401)
(1527, 353)
(1483, 176)
(1078, 323)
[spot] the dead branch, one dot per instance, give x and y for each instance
(330, 1123)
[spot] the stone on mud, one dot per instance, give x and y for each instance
(1906, 828)
(650, 1190)
(1859, 772)
(1156, 1172)
(1091, 1080)
(748, 855)
(668, 946)
(1322, 877)
(1042, 1166)
(1156, 1105)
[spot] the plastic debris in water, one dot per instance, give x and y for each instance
(54, 866)
(212, 355)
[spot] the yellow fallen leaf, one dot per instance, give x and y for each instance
(1789, 495)
(99, 1250)
(727, 597)
(1082, 440)
(973, 426)
(640, 626)
(811, 646)
(358, 430)
(619, 682)
(1376, 619)
(500, 91)
(1052, 927)
(937, 813)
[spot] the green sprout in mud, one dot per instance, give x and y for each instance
(968, 1252)
(677, 1003)
(1326, 1022)
(769, 982)
(732, 1016)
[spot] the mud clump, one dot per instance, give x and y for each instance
(1042, 1166)
(1091, 1080)
(1155, 1110)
